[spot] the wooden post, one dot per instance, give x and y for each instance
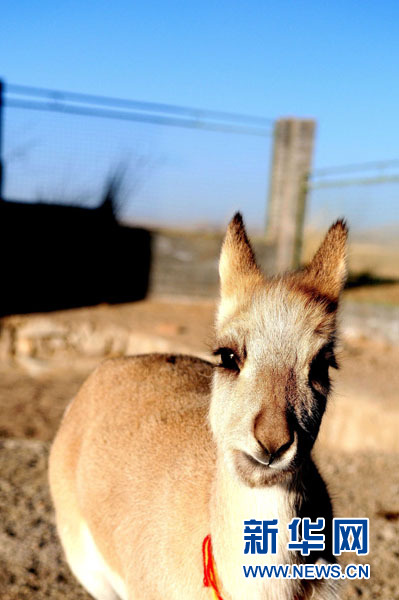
(291, 162)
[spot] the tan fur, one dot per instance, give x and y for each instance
(158, 451)
(239, 274)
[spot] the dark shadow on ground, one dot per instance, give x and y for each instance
(367, 279)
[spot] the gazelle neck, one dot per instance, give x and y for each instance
(232, 503)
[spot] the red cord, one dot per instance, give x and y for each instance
(209, 567)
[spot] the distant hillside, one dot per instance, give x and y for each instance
(385, 234)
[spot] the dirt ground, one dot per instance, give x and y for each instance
(358, 449)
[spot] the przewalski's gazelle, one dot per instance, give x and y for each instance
(158, 452)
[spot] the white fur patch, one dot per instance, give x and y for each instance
(245, 503)
(93, 572)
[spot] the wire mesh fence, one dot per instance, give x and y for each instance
(181, 166)
(367, 195)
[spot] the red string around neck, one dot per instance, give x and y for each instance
(210, 579)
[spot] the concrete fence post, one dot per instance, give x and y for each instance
(291, 163)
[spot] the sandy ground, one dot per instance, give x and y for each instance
(358, 449)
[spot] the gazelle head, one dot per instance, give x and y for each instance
(275, 342)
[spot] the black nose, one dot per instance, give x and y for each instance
(276, 453)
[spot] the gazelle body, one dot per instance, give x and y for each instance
(156, 452)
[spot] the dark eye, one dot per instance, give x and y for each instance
(318, 373)
(228, 359)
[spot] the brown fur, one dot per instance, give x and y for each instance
(156, 452)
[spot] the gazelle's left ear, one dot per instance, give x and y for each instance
(327, 271)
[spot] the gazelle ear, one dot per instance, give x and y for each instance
(239, 273)
(328, 270)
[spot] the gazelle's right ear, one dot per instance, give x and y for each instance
(239, 273)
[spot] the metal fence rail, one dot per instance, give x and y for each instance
(21, 96)
(381, 173)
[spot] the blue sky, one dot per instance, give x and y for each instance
(335, 61)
